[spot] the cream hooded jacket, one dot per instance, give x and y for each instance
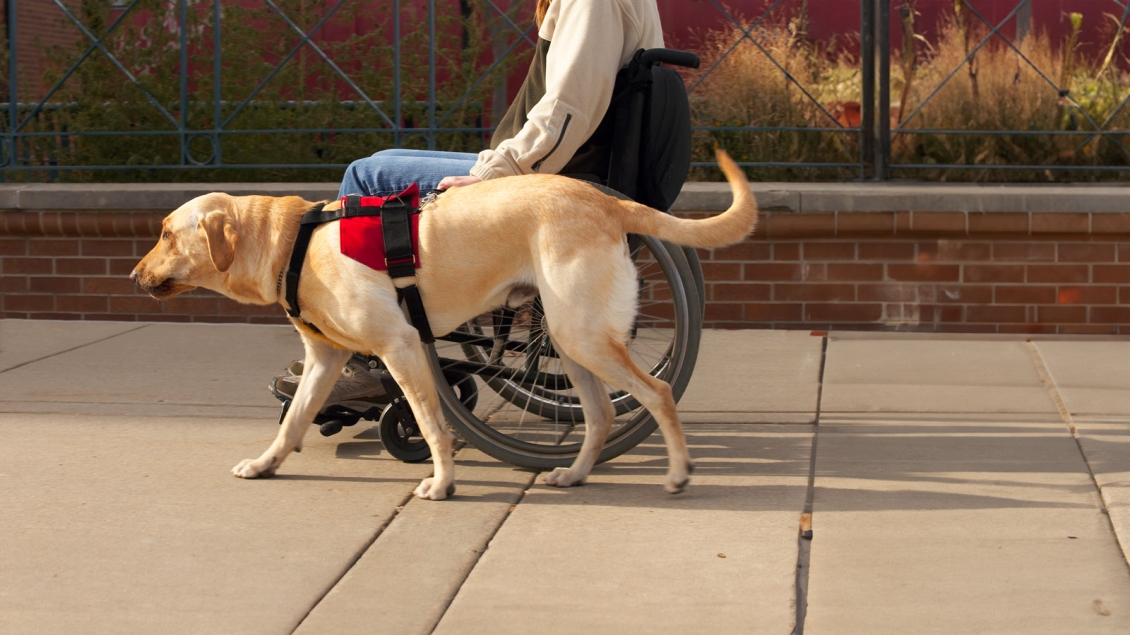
(591, 40)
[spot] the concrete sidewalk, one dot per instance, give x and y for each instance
(956, 484)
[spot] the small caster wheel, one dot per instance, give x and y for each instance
(285, 408)
(400, 435)
(464, 386)
(330, 428)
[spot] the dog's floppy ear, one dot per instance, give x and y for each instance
(221, 239)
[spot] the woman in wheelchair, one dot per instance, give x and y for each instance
(560, 123)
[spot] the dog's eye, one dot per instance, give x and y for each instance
(165, 235)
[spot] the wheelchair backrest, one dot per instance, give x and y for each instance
(642, 147)
(665, 140)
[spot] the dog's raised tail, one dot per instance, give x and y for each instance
(727, 228)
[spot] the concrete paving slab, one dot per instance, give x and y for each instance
(406, 579)
(191, 366)
(117, 525)
(1106, 444)
(950, 524)
(621, 556)
(1093, 378)
(24, 341)
(754, 377)
(930, 373)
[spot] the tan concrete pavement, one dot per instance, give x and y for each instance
(930, 518)
(1093, 380)
(949, 496)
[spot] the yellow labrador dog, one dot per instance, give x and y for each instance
(478, 245)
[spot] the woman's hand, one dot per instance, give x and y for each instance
(457, 181)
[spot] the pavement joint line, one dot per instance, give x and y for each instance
(74, 348)
(1048, 381)
(353, 561)
(804, 544)
(486, 546)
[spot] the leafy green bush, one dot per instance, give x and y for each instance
(331, 122)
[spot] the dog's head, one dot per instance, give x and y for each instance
(197, 246)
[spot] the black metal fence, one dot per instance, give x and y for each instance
(295, 89)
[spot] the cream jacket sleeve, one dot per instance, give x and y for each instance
(589, 42)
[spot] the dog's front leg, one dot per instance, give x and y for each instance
(322, 367)
(409, 367)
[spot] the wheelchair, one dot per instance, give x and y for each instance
(503, 388)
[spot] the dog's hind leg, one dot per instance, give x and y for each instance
(322, 367)
(610, 361)
(405, 359)
(599, 413)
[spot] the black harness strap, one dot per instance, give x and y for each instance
(298, 256)
(396, 221)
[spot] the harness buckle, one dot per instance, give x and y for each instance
(401, 261)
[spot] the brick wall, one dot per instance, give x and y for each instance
(75, 266)
(41, 24)
(992, 272)
(1002, 272)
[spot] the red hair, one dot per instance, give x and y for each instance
(543, 7)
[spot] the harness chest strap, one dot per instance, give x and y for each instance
(396, 220)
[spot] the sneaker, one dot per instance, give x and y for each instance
(358, 388)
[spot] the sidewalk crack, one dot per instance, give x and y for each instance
(74, 348)
(804, 535)
(354, 560)
(486, 546)
(1048, 381)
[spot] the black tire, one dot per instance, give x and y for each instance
(666, 344)
(400, 435)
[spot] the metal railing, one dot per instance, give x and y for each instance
(1074, 124)
(195, 103)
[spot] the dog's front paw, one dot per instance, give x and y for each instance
(255, 468)
(564, 477)
(433, 489)
(677, 480)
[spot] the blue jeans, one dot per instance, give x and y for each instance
(390, 171)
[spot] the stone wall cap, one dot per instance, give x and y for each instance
(706, 197)
(146, 196)
(914, 197)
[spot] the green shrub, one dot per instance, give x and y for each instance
(332, 124)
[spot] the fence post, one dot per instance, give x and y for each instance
(867, 100)
(13, 92)
(183, 81)
(217, 76)
(883, 41)
(396, 73)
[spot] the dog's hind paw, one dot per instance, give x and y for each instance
(254, 468)
(563, 477)
(432, 489)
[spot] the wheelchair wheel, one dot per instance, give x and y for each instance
(527, 412)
